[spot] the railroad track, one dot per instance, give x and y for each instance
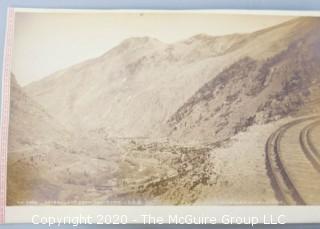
(308, 146)
(288, 167)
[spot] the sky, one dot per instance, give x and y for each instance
(47, 42)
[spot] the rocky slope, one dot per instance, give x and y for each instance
(33, 136)
(30, 123)
(46, 162)
(253, 91)
(135, 88)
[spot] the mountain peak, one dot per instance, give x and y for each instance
(14, 83)
(140, 41)
(134, 43)
(199, 37)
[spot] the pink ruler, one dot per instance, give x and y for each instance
(5, 106)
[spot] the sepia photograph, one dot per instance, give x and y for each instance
(164, 108)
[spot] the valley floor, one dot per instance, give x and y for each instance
(233, 172)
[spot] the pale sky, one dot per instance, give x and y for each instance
(47, 42)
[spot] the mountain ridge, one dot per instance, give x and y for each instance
(185, 40)
(261, 91)
(146, 76)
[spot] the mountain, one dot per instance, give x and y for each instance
(144, 86)
(128, 91)
(252, 91)
(46, 162)
(35, 138)
(29, 121)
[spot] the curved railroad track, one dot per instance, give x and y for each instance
(294, 170)
(308, 146)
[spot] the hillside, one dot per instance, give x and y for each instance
(29, 121)
(33, 136)
(45, 161)
(143, 77)
(252, 91)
